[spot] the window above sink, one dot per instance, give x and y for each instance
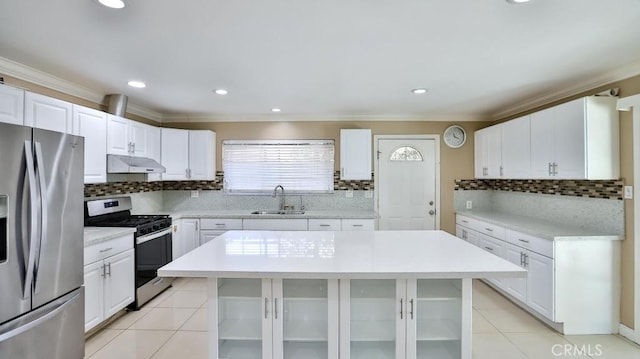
(257, 166)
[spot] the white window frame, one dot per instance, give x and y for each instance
(258, 166)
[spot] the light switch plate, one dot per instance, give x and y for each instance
(469, 205)
(349, 194)
(194, 194)
(628, 192)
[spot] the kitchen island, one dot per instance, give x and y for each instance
(370, 294)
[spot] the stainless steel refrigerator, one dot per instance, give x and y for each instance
(41, 244)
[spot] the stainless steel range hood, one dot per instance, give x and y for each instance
(130, 164)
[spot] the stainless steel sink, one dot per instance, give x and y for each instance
(290, 211)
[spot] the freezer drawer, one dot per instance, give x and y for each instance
(53, 331)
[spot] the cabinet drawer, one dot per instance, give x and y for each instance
(221, 223)
(268, 224)
(465, 221)
(482, 227)
(106, 249)
(324, 225)
(535, 244)
(491, 245)
(358, 225)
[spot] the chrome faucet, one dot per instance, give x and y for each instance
(275, 193)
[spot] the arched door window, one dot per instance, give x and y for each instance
(406, 153)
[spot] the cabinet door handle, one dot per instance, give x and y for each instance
(325, 225)
(266, 307)
(521, 259)
(106, 249)
(401, 302)
(555, 168)
(464, 234)
(501, 171)
(220, 224)
(523, 240)
(109, 266)
(549, 171)
(526, 260)
(133, 145)
(488, 248)
(275, 307)
(489, 229)
(411, 310)
(358, 225)
(463, 221)
(104, 271)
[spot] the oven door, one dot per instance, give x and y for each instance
(152, 252)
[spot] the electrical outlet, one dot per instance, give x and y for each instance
(349, 194)
(628, 192)
(368, 194)
(469, 205)
(195, 194)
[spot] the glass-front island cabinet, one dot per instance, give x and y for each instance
(326, 295)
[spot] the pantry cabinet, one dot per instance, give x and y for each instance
(92, 125)
(109, 279)
(11, 105)
(275, 318)
(355, 154)
(48, 113)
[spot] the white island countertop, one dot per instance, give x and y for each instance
(351, 255)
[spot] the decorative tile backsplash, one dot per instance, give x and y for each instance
(607, 189)
(113, 188)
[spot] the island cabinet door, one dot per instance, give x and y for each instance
(398, 319)
(305, 318)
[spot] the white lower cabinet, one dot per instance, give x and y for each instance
(414, 318)
(186, 236)
(275, 224)
(540, 283)
(358, 225)
(468, 235)
(276, 318)
(109, 279)
(494, 246)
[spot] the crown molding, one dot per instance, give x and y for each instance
(41, 78)
(622, 73)
(320, 118)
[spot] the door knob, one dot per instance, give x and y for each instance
(432, 212)
(431, 203)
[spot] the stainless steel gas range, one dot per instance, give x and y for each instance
(152, 242)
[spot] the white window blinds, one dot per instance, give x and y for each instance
(258, 166)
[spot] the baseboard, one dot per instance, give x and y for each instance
(629, 333)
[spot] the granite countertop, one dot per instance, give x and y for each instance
(246, 213)
(539, 227)
(95, 235)
(329, 255)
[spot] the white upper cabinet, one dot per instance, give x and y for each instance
(154, 150)
(48, 113)
(175, 153)
(129, 138)
(118, 137)
(11, 105)
(576, 140)
(488, 152)
(202, 154)
(92, 125)
(355, 154)
(516, 148)
(188, 154)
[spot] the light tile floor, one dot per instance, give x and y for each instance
(174, 324)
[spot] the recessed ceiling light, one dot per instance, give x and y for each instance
(517, 1)
(419, 91)
(114, 4)
(137, 84)
(275, 110)
(221, 91)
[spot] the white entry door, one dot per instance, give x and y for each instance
(406, 184)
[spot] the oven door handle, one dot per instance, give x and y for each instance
(152, 236)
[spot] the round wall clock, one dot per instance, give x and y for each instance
(455, 136)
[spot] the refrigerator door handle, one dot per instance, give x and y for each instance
(19, 330)
(33, 195)
(43, 210)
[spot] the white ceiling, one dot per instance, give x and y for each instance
(328, 59)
